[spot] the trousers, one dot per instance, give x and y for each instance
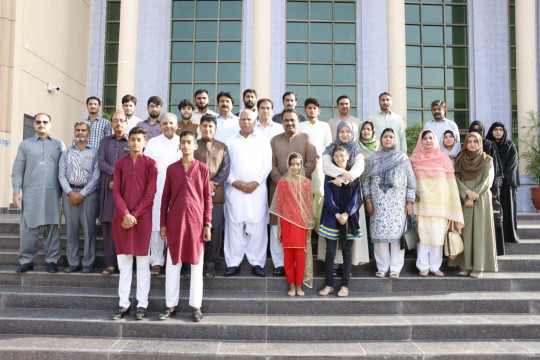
(108, 245)
(172, 283)
(331, 246)
(29, 239)
(429, 257)
(276, 249)
(245, 238)
(157, 249)
(294, 263)
(389, 256)
(83, 215)
(125, 265)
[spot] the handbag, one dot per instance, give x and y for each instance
(409, 239)
(497, 213)
(453, 244)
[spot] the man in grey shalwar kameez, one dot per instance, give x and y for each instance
(35, 172)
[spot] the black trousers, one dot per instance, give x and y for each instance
(331, 246)
(212, 248)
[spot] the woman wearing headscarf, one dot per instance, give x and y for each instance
(439, 204)
(451, 145)
(474, 176)
(389, 190)
(509, 163)
(354, 168)
(367, 139)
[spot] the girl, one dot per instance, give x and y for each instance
(292, 204)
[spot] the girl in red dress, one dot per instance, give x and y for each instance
(292, 203)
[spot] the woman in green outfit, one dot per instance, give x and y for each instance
(474, 176)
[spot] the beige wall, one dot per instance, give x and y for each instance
(43, 33)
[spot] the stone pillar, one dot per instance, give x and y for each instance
(527, 96)
(127, 49)
(262, 29)
(397, 70)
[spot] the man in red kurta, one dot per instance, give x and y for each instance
(186, 222)
(134, 188)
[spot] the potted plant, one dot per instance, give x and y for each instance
(531, 155)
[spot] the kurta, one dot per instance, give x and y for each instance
(164, 152)
(134, 190)
(322, 137)
(355, 122)
(185, 207)
(215, 154)
(282, 146)
(110, 151)
(388, 219)
(35, 171)
(478, 234)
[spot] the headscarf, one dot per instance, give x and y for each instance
(429, 163)
(469, 164)
(489, 148)
(508, 155)
(371, 145)
(384, 163)
(352, 147)
(455, 149)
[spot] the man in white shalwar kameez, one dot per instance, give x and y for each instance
(164, 150)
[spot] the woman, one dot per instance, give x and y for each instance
(367, 139)
(509, 164)
(389, 190)
(451, 143)
(474, 176)
(355, 164)
(439, 204)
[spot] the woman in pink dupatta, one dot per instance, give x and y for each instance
(439, 206)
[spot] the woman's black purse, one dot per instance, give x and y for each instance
(410, 238)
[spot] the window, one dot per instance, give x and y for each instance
(206, 49)
(436, 35)
(321, 52)
(110, 76)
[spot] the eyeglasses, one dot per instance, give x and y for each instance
(44, 122)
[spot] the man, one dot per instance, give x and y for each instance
(35, 172)
(227, 123)
(282, 146)
(129, 104)
(164, 150)
(186, 215)
(439, 124)
(265, 126)
(289, 102)
(151, 125)
(186, 112)
(99, 127)
(111, 149)
(386, 118)
(79, 176)
(216, 155)
(249, 97)
(134, 189)
(201, 101)
(344, 107)
(246, 210)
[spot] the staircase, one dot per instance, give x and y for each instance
(66, 316)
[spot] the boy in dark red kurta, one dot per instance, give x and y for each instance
(186, 221)
(134, 188)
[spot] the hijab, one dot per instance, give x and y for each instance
(508, 155)
(469, 164)
(371, 145)
(489, 148)
(352, 147)
(429, 163)
(455, 149)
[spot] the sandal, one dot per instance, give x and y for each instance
(210, 273)
(424, 273)
(108, 270)
(464, 273)
(155, 270)
(343, 292)
(380, 274)
(438, 273)
(279, 271)
(394, 274)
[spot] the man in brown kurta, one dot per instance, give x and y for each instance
(186, 123)
(282, 146)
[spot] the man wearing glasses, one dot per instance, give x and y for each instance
(35, 173)
(151, 125)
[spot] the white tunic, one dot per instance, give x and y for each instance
(322, 137)
(271, 130)
(226, 127)
(132, 122)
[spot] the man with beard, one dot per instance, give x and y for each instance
(386, 118)
(265, 126)
(129, 104)
(99, 127)
(227, 123)
(151, 125)
(201, 101)
(79, 176)
(344, 107)
(290, 100)
(186, 112)
(249, 97)
(439, 124)
(35, 172)
(283, 145)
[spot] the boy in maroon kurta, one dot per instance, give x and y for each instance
(186, 222)
(134, 188)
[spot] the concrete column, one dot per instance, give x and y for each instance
(397, 70)
(262, 29)
(127, 49)
(527, 96)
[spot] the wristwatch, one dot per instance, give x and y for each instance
(208, 225)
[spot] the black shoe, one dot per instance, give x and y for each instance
(209, 273)
(185, 272)
(232, 270)
(258, 271)
(167, 314)
(88, 269)
(52, 268)
(140, 314)
(279, 271)
(24, 268)
(121, 313)
(71, 269)
(197, 315)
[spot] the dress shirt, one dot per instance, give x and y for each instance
(226, 127)
(392, 120)
(271, 130)
(322, 137)
(153, 129)
(334, 122)
(79, 167)
(279, 118)
(196, 116)
(439, 127)
(99, 128)
(132, 122)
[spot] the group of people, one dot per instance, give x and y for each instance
(169, 191)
